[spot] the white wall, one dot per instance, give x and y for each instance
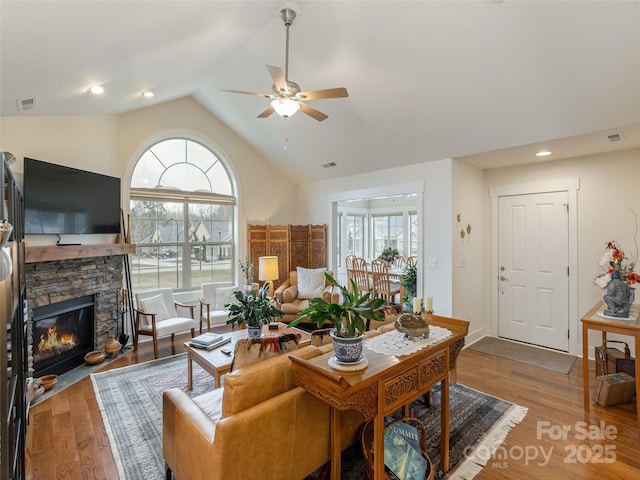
(434, 180)
(608, 190)
(112, 144)
(471, 285)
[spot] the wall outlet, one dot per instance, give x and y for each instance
(432, 262)
(461, 262)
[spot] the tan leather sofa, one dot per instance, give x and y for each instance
(259, 425)
(291, 304)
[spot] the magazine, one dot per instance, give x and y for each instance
(404, 461)
(408, 432)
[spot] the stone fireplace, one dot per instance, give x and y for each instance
(85, 280)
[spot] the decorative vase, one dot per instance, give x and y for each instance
(112, 347)
(347, 349)
(251, 289)
(254, 332)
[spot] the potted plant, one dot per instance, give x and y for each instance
(348, 319)
(389, 255)
(409, 282)
(255, 310)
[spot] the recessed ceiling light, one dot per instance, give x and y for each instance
(148, 93)
(96, 89)
(544, 153)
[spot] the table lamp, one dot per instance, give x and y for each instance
(268, 271)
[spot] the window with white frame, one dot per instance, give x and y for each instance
(183, 209)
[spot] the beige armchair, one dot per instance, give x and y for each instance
(303, 284)
(157, 316)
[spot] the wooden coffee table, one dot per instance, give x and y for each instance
(217, 363)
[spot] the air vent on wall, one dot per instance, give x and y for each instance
(26, 103)
(615, 137)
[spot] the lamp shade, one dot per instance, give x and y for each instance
(285, 107)
(268, 268)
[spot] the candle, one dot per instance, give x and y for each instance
(417, 305)
(429, 304)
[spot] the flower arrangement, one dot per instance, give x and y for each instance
(389, 254)
(247, 271)
(614, 259)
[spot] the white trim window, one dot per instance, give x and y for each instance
(183, 208)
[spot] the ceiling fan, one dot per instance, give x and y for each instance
(287, 98)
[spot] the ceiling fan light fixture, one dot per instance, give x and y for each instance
(285, 107)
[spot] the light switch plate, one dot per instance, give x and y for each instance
(432, 262)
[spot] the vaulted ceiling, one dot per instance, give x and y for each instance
(427, 80)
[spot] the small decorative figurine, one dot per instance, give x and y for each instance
(413, 326)
(617, 297)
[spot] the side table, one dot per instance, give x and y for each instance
(594, 320)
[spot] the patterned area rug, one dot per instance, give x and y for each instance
(130, 400)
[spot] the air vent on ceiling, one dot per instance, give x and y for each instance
(26, 103)
(615, 137)
(329, 165)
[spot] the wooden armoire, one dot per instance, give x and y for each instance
(294, 245)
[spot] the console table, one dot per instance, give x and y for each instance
(594, 320)
(387, 384)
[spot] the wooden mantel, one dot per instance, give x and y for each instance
(49, 253)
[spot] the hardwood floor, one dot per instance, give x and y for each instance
(66, 437)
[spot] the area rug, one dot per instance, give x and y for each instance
(539, 357)
(130, 401)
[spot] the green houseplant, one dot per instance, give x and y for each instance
(409, 282)
(255, 310)
(347, 317)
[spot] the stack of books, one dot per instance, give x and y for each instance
(208, 341)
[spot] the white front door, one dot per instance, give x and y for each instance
(533, 276)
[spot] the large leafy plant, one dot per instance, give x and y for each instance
(255, 310)
(348, 317)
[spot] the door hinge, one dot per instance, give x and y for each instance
(567, 271)
(566, 207)
(568, 336)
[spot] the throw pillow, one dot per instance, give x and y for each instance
(311, 282)
(290, 294)
(224, 295)
(154, 305)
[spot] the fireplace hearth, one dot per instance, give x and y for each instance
(62, 334)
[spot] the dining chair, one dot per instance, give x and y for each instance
(361, 274)
(382, 285)
(412, 261)
(400, 263)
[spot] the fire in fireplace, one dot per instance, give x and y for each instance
(62, 334)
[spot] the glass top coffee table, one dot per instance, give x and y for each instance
(218, 363)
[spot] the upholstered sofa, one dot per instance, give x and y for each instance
(259, 425)
(294, 297)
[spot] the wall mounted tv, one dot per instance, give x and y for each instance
(63, 200)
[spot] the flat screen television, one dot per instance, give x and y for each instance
(64, 200)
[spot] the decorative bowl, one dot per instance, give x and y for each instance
(49, 381)
(95, 357)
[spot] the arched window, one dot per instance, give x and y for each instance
(182, 217)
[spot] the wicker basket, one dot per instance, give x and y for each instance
(367, 446)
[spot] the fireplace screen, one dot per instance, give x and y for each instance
(62, 335)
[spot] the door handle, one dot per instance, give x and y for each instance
(503, 278)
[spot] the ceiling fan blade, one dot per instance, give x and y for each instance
(312, 112)
(319, 94)
(278, 77)
(265, 95)
(267, 112)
